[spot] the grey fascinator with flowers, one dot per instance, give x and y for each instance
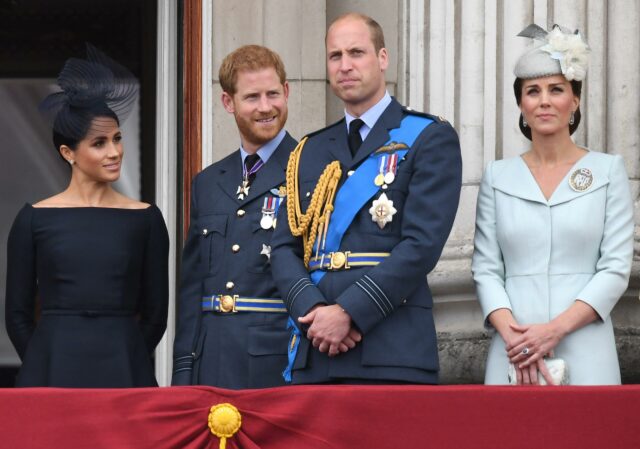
(561, 52)
(97, 86)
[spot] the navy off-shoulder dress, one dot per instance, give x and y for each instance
(100, 276)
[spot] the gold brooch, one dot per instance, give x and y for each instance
(581, 179)
(224, 421)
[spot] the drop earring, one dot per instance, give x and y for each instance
(572, 119)
(524, 122)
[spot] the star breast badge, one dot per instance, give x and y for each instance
(266, 251)
(382, 211)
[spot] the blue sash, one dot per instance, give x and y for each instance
(359, 188)
(354, 193)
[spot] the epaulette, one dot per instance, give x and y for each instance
(325, 128)
(435, 118)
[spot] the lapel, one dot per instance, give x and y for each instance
(273, 173)
(379, 134)
(513, 177)
(230, 176)
(564, 192)
(338, 145)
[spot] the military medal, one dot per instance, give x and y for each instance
(268, 212)
(243, 189)
(379, 179)
(389, 177)
(270, 208)
(382, 211)
(390, 169)
(386, 170)
(266, 222)
(581, 179)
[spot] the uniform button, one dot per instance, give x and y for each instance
(308, 194)
(350, 172)
(240, 213)
(404, 301)
(230, 285)
(235, 248)
(205, 231)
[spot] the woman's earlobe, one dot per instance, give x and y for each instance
(67, 154)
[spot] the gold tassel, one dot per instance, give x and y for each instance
(319, 211)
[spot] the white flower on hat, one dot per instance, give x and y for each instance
(570, 50)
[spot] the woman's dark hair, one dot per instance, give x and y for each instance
(82, 118)
(576, 87)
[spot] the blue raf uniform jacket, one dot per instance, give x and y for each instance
(390, 303)
(223, 254)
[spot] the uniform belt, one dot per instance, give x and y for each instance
(343, 260)
(235, 303)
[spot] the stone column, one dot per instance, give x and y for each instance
(295, 30)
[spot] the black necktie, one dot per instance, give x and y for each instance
(250, 167)
(355, 140)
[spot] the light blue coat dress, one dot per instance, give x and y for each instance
(536, 257)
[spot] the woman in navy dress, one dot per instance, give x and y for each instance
(95, 260)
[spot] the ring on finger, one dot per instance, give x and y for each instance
(525, 351)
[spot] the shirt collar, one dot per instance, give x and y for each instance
(266, 150)
(371, 116)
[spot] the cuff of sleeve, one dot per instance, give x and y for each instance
(492, 299)
(182, 367)
(302, 296)
(182, 377)
(602, 296)
(366, 303)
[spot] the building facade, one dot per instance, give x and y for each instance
(452, 58)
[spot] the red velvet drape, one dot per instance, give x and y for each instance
(353, 417)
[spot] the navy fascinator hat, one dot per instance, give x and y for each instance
(95, 87)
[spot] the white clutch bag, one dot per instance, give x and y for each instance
(557, 368)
